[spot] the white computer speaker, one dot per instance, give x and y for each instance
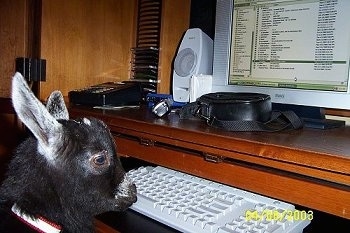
(194, 56)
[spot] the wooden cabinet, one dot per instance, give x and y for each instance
(83, 42)
(175, 22)
(86, 42)
(16, 36)
(15, 31)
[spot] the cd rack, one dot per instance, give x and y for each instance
(145, 55)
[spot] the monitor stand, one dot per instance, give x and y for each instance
(313, 117)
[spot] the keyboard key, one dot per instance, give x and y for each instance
(273, 228)
(211, 227)
(201, 223)
(226, 230)
(192, 218)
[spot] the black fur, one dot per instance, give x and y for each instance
(74, 186)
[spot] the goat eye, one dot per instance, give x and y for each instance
(100, 159)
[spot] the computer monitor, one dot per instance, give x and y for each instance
(297, 51)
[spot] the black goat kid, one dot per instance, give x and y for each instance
(69, 171)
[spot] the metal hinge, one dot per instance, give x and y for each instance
(32, 69)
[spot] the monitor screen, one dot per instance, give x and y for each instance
(297, 51)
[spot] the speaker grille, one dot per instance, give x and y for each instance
(185, 62)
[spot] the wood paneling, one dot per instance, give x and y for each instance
(86, 42)
(175, 22)
(13, 39)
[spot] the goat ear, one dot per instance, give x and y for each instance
(56, 106)
(36, 117)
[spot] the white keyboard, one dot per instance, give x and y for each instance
(191, 204)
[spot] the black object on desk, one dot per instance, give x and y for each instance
(132, 222)
(109, 93)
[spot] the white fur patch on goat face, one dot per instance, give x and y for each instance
(87, 121)
(124, 188)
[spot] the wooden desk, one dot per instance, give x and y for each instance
(305, 167)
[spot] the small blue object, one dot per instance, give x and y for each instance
(152, 99)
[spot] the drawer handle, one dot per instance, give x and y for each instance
(212, 158)
(146, 142)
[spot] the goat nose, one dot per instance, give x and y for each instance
(126, 188)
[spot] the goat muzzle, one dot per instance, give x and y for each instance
(126, 193)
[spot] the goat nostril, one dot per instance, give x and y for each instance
(134, 192)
